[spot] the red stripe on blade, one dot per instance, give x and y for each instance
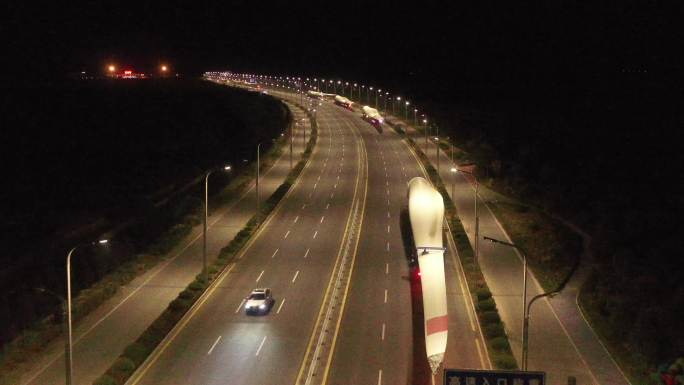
(437, 324)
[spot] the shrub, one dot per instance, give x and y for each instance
(186, 294)
(196, 285)
(506, 362)
(105, 379)
(494, 330)
(123, 367)
(500, 343)
(136, 352)
(483, 294)
(486, 305)
(178, 304)
(491, 316)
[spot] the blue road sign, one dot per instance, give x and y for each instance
(492, 377)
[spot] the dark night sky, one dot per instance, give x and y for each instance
(421, 42)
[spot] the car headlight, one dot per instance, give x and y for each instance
(248, 306)
(262, 306)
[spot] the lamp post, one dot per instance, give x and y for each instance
(454, 170)
(69, 347)
(426, 134)
(368, 94)
(257, 182)
(398, 99)
(226, 168)
(524, 297)
(386, 97)
(376, 97)
(415, 119)
(437, 152)
(406, 110)
(477, 218)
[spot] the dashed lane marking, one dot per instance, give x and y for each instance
(214, 345)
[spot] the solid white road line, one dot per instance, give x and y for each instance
(214, 345)
(259, 277)
(274, 253)
(240, 305)
(315, 233)
(295, 276)
(382, 335)
(380, 377)
(286, 234)
(260, 346)
(307, 252)
(479, 353)
(281, 306)
(385, 295)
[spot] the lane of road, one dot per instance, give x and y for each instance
(376, 342)
(99, 337)
(293, 255)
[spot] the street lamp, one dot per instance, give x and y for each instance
(525, 309)
(437, 152)
(69, 347)
(406, 110)
(415, 119)
(398, 99)
(454, 170)
(164, 68)
(226, 168)
(477, 218)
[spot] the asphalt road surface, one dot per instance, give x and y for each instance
(378, 341)
(294, 255)
(102, 335)
(561, 343)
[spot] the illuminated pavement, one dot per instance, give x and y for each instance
(294, 255)
(561, 343)
(102, 335)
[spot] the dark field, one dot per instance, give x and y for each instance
(82, 158)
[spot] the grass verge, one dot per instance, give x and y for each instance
(137, 352)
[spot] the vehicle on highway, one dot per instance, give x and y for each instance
(372, 116)
(259, 301)
(343, 102)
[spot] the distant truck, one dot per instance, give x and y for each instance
(343, 102)
(319, 95)
(372, 116)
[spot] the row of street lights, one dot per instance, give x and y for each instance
(454, 170)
